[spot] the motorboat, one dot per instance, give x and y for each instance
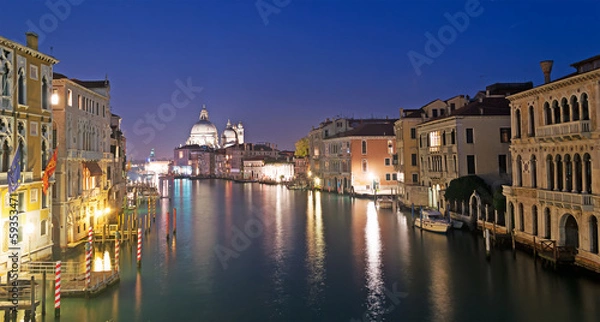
(432, 220)
(385, 202)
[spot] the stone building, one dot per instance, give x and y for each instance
(26, 122)
(555, 150)
(86, 167)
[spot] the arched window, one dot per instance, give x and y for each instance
(364, 165)
(547, 114)
(444, 138)
(4, 81)
(22, 95)
(578, 173)
(565, 110)
(549, 172)
(575, 108)
(568, 173)
(559, 173)
(534, 220)
(5, 156)
(518, 172)
(531, 122)
(547, 224)
(556, 111)
(521, 218)
(533, 172)
(452, 137)
(585, 112)
(364, 147)
(587, 172)
(45, 96)
(517, 124)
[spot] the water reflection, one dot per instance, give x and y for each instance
(315, 244)
(279, 256)
(373, 270)
(439, 287)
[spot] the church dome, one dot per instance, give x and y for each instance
(204, 132)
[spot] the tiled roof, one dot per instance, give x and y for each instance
(369, 129)
(86, 84)
(487, 106)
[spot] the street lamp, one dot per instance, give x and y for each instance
(29, 231)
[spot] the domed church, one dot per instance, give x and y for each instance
(204, 133)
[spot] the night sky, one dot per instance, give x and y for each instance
(301, 61)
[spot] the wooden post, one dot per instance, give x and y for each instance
(32, 296)
(487, 212)
(139, 248)
(488, 251)
(412, 213)
(174, 221)
(534, 250)
(421, 218)
(44, 293)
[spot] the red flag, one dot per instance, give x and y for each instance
(49, 171)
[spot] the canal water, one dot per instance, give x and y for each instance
(252, 252)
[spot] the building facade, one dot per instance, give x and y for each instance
(555, 151)
(26, 123)
(86, 169)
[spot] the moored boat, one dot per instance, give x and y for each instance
(385, 202)
(432, 220)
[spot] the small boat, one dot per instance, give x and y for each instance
(385, 202)
(433, 221)
(457, 224)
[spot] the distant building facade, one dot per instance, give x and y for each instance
(86, 170)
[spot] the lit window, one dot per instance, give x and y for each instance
(69, 97)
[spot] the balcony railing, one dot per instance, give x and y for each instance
(83, 154)
(570, 129)
(566, 199)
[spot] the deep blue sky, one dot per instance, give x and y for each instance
(313, 60)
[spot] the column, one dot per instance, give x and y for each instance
(556, 175)
(575, 179)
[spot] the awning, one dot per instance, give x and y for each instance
(94, 168)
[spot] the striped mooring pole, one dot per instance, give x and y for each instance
(90, 235)
(88, 265)
(117, 250)
(57, 289)
(139, 248)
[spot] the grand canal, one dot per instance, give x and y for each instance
(251, 252)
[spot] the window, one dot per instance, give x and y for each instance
(80, 102)
(394, 176)
(43, 227)
(395, 159)
(452, 137)
(413, 159)
(69, 97)
(442, 112)
(364, 147)
(21, 87)
(504, 135)
(434, 113)
(502, 163)
(452, 107)
(469, 135)
(388, 177)
(33, 195)
(326, 133)
(415, 178)
(45, 96)
(21, 207)
(413, 133)
(387, 161)
(364, 165)
(470, 164)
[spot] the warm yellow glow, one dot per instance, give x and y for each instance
(54, 99)
(371, 176)
(107, 210)
(106, 261)
(98, 264)
(317, 181)
(29, 228)
(309, 173)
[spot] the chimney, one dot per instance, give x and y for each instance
(547, 69)
(32, 40)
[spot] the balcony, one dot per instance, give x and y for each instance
(564, 131)
(566, 200)
(86, 155)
